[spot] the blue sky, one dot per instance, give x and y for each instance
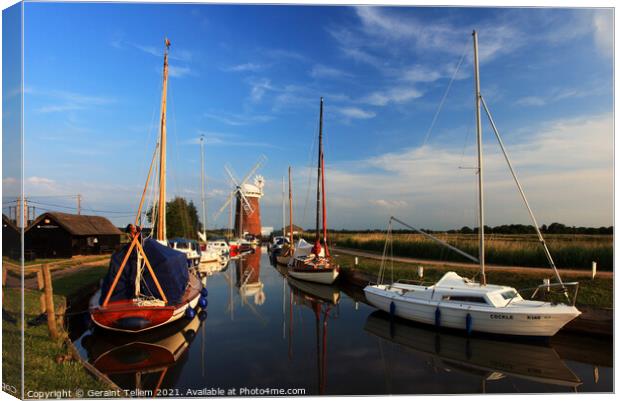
(249, 78)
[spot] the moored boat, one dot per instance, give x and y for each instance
(131, 300)
(461, 303)
(316, 265)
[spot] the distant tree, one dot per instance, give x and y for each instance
(181, 219)
(466, 230)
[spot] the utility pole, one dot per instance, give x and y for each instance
(79, 204)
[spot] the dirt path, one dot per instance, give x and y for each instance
(80, 262)
(447, 265)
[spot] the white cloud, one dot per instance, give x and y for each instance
(238, 119)
(259, 87)
(394, 95)
(66, 101)
(565, 167)
(178, 72)
(322, 71)
(253, 67)
(355, 113)
(603, 32)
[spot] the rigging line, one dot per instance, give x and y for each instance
(445, 95)
(310, 165)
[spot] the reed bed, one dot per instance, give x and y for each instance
(568, 251)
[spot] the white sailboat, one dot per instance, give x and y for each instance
(207, 254)
(460, 303)
(288, 248)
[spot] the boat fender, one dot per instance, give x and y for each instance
(468, 323)
(392, 309)
(202, 315)
(437, 317)
(204, 292)
(202, 302)
(190, 313)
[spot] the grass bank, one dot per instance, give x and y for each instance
(568, 251)
(48, 363)
(595, 293)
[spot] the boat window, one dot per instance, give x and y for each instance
(509, 294)
(464, 298)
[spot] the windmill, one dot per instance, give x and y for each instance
(247, 210)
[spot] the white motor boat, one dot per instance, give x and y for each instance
(221, 247)
(459, 303)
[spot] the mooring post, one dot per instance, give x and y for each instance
(41, 286)
(4, 273)
(356, 262)
(49, 301)
(593, 269)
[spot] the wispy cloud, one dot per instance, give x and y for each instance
(66, 101)
(179, 72)
(355, 113)
(259, 87)
(220, 139)
(559, 94)
(394, 95)
(323, 71)
(250, 66)
(236, 119)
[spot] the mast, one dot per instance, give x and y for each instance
(324, 203)
(161, 217)
(283, 211)
(290, 206)
(483, 279)
(202, 189)
(317, 240)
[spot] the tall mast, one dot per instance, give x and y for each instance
(161, 218)
(202, 189)
(317, 241)
(283, 210)
(323, 203)
(290, 206)
(483, 278)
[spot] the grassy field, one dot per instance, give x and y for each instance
(568, 251)
(595, 293)
(48, 365)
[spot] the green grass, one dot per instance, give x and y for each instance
(42, 370)
(568, 251)
(71, 284)
(595, 293)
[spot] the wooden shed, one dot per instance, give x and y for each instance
(11, 238)
(63, 235)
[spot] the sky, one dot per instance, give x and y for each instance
(399, 119)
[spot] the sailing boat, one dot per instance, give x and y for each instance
(313, 263)
(129, 300)
(207, 253)
(460, 303)
(286, 253)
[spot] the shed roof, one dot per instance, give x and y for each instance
(8, 222)
(79, 224)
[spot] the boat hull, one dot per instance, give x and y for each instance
(321, 276)
(130, 317)
(503, 321)
(283, 259)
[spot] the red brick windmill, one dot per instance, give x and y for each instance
(247, 208)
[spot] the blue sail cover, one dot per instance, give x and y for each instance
(170, 267)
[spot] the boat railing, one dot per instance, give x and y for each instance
(552, 288)
(413, 282)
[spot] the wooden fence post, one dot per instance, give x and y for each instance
(49, 301)
(41, 286)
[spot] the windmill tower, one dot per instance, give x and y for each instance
(247, 205)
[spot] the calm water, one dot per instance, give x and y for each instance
(264, 331)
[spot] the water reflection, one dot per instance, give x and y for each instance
(269, 331)
(322, 301)
(141, 362)
(489, 359)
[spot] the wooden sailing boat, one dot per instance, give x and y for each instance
(460, 303)
(130, 301)
(314, 263)
(286, 253)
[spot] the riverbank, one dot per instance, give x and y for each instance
(48, 362)
(595, 297)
